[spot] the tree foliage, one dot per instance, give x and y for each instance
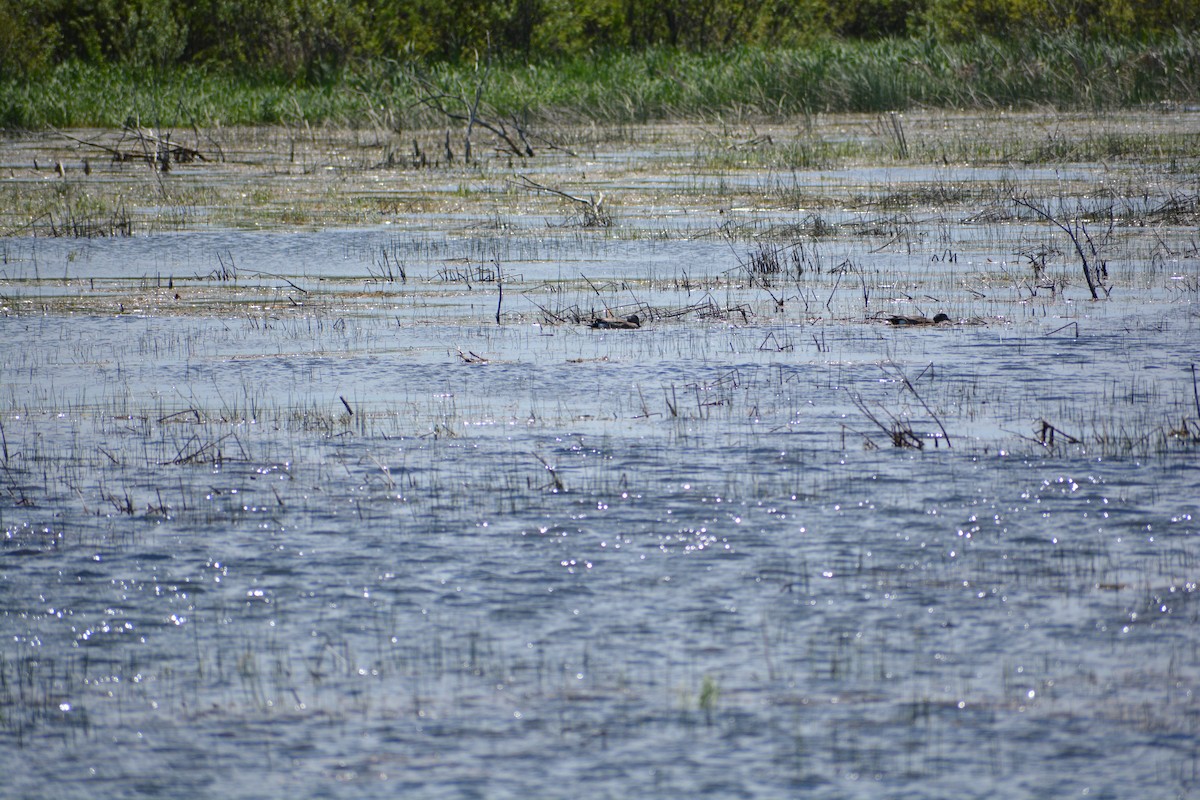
(306, 39)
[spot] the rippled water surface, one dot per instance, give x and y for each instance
(368, 510)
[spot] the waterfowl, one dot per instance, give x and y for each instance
(899, 320)
(629, 323)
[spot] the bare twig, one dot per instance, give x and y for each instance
(471, 357)
(1047, 434)
(908, 384)
(196, 455)
(550, 315)
(259, 273)
(472, 115)
(1063, 328)
(595, 215)
(500, 287)
(900, 434)
(1077, 232)
(555, 480)
(1195, 396)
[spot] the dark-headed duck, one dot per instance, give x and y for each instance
(898, 320)
(629, 323)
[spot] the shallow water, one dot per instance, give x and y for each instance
(306, 530)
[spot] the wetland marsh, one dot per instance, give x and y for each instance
(316, 481)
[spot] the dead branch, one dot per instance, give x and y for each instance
(1047, 434)
(1095, 273)
(595, 215)
(908, 384)
(901, 434)
(473, 106)
(555, 481)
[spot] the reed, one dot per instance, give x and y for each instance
(263, 489)
(1064, 71)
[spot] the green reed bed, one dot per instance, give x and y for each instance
(1065, 72)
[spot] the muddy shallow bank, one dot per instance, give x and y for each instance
(320, 483)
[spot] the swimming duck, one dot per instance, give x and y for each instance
(629, 323)
(898, 320)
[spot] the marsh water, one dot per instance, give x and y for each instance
(319, 484)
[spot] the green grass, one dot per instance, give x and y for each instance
(1062, 72)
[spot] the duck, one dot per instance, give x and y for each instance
(900, 320)
(626, 324)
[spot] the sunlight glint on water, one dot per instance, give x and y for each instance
(314, 532)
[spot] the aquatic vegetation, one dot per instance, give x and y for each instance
(526, 102)
(321, 477)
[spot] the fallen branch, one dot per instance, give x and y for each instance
(1047, 433)
(194, 456)
(515, 142)
(1094, 274)
(471, 357)
(901, 434)
(908, 384)
(555, 480)
(153, 149)
(549, 315)
(595, 215)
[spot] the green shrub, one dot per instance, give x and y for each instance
(962, 20)
(28, 44)
(311, 40)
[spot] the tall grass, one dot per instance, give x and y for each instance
(1060, 71)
